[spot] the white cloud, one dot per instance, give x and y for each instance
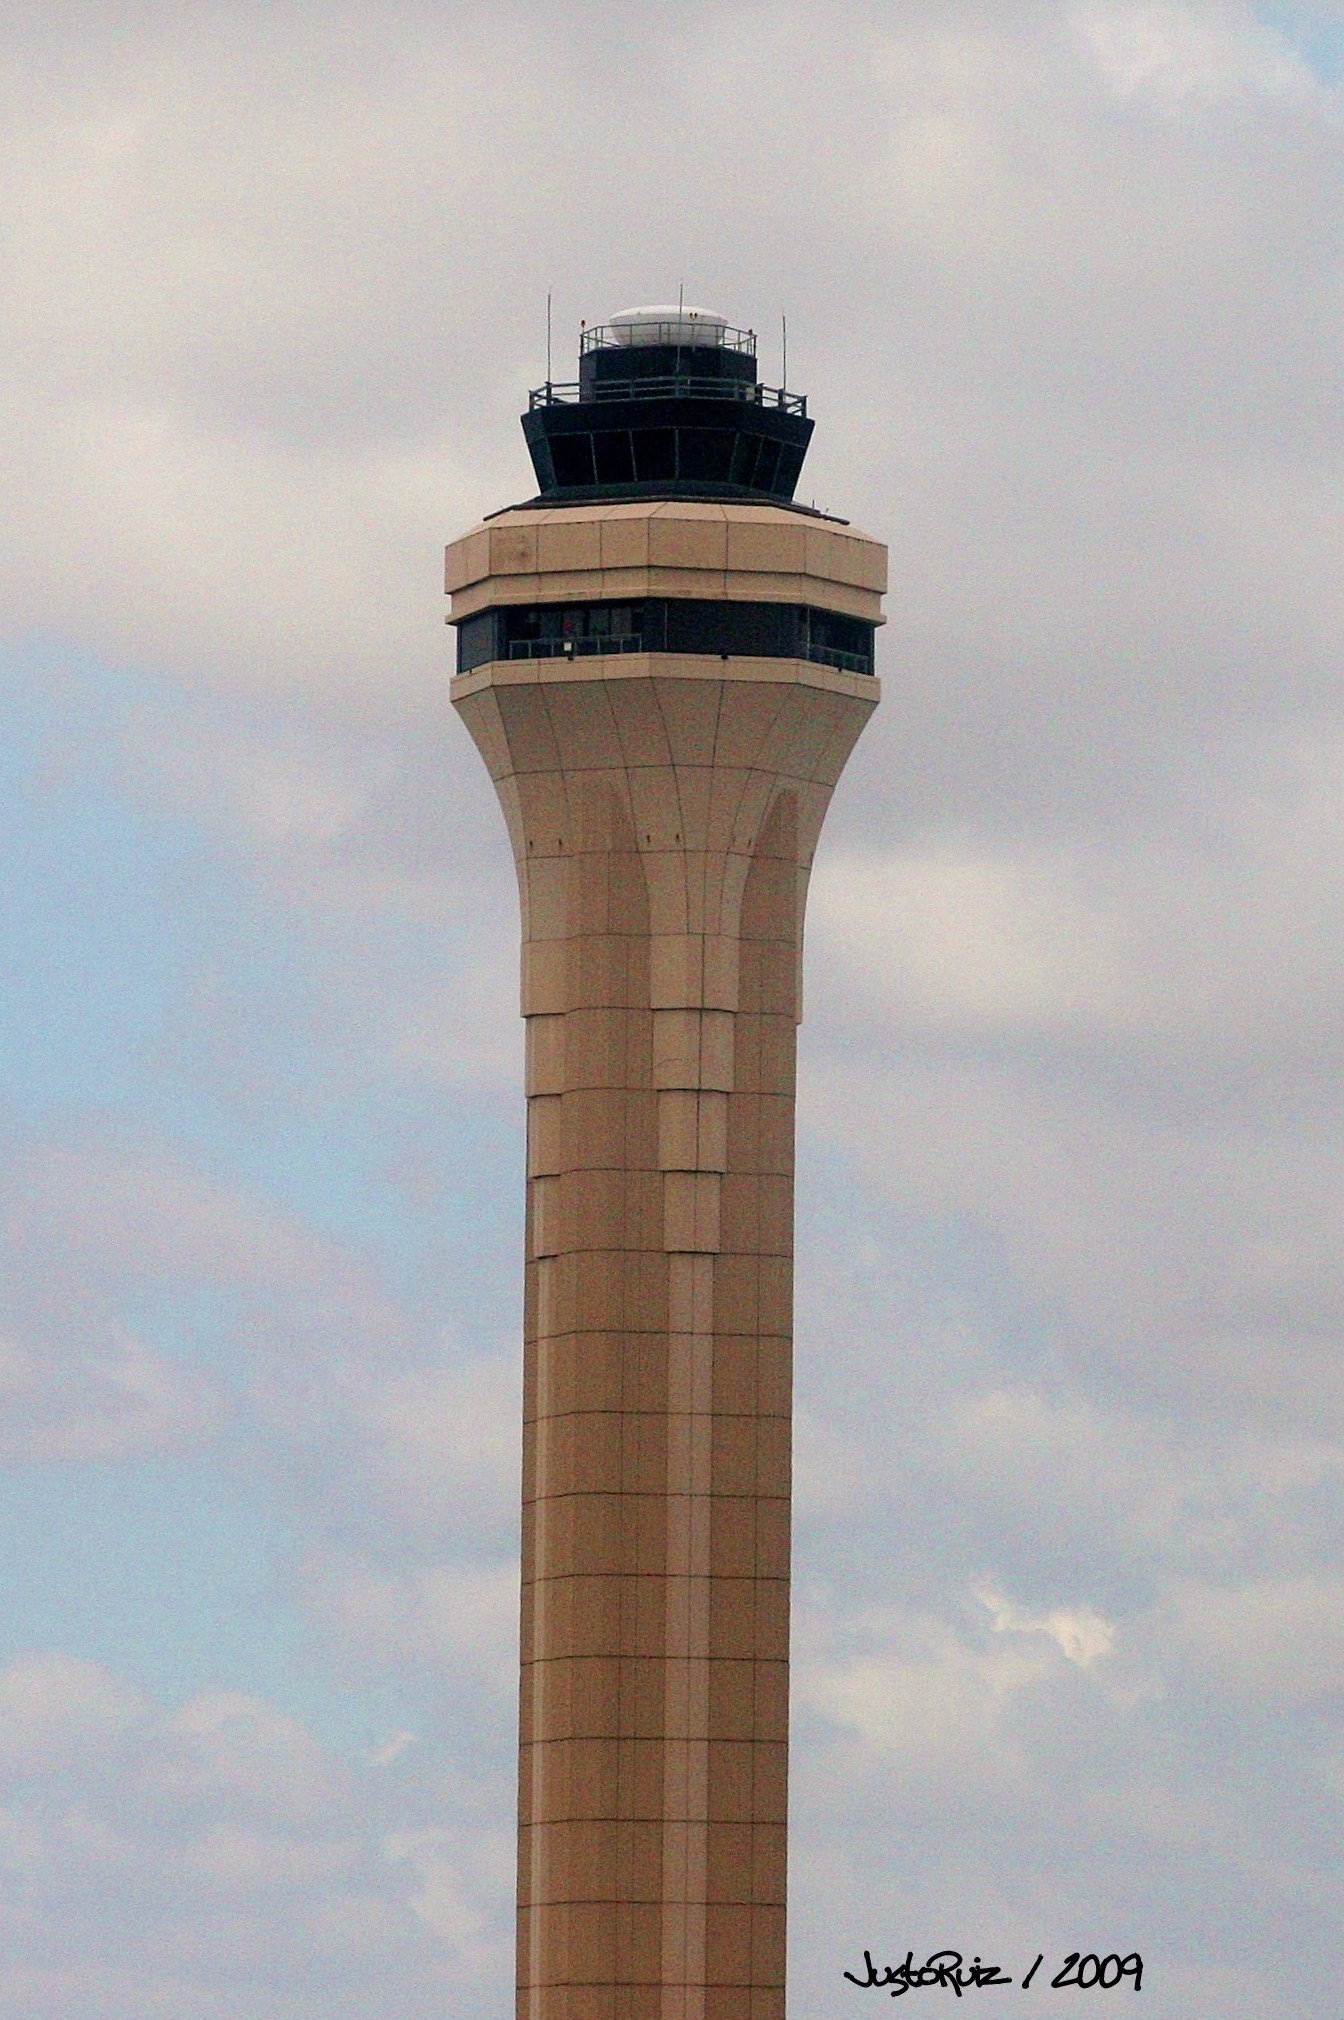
(55, 1709)
(1189, 54)
(391, 1750)
(243, 1861)
(274, 793)
(457, 1620)
(445, 1899)
(230, 1749)
(967, 945)
(446, 1440)
(124, 1401)
(929, 1704)
(112, 1201)
(1222, 940)
(1081, 1635)
(1276, 1640)
(250, 1855)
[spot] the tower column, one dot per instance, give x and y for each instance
(663, 814)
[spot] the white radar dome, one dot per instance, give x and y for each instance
(668, 324)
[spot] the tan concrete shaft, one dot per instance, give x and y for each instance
(663, 813)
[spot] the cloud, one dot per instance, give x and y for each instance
(1278, 1641)
(449, 1620)
(116, 1201)
(392, 1749)
(242, 1848)
(1081, 1635)
(249, 1861)
(231, 1747)
(444, 1899)
(446, 1438)
(928, 1705)
(1216, 945)
(390, 1453)
(124, 1402)
(1165, 1248)
(56, 1711)
(966, 945)
(1176, 56)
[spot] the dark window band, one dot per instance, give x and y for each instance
(663, 455)
(667, 624)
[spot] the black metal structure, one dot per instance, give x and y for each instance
(666, 624)
(666, 420)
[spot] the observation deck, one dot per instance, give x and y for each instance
(667, 404)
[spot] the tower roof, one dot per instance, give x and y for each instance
(668, 323)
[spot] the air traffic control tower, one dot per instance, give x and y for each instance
(664, 663)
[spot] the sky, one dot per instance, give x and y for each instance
(1065, 288)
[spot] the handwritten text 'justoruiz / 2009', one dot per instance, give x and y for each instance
(1081, 1971)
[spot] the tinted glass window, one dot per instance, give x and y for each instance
(668, 624)
(744, 458)
(706, 454)
(615, 464)
(789, 471)
(767, 464)
(695, 627)
(655, 454)
(839, 641)
(475, 641)
(573, 459)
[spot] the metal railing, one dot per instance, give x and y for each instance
(605, 337)
(566, 393)
(573, 648)
(585, 648)
(831, 655)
